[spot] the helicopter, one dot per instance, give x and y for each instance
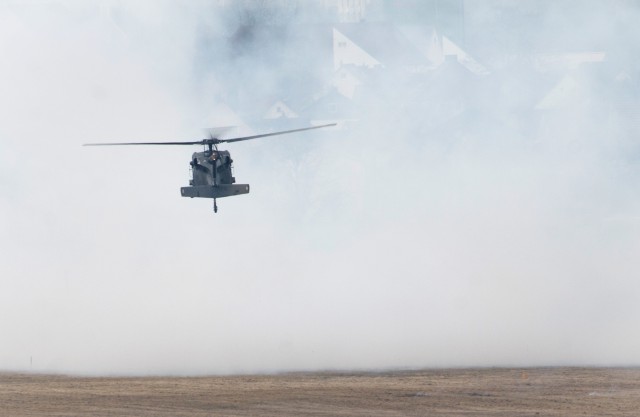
(211, 170)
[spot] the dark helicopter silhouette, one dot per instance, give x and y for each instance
(212, 176)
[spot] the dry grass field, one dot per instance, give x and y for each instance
(463, 392)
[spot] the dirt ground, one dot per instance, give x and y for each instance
(459, 392)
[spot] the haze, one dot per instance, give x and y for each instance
(478, 215)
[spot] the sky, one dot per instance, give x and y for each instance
(481, 243)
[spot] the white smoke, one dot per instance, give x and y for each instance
(453, 225)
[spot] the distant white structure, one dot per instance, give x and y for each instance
(449, 48)
(428, 42)
(280, 110)
(346, 81)
(349, 11)
(416, 49)
(223, 115)
(346, 52)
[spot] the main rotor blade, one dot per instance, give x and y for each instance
(200, 142)
(284, 132)
(211, 141)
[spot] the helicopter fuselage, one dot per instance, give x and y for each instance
(212, 176)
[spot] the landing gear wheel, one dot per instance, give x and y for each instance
(215, 206)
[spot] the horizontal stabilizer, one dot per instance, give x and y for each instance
(219, 191)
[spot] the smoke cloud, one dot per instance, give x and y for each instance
(478, 215)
